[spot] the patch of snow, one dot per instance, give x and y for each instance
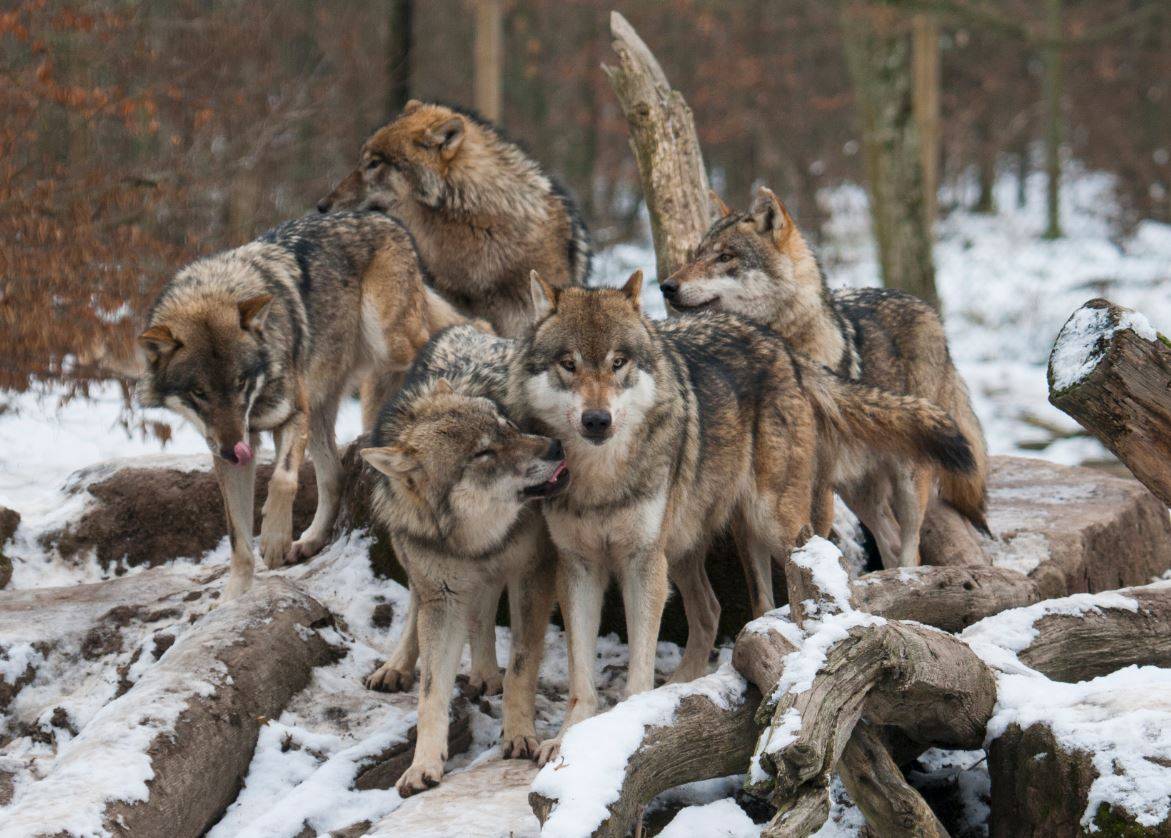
(721, 819)
(823, 560)
(1023, 552)
(587, 776)
(1015, 629)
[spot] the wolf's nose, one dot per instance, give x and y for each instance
(324, 204)
(228, 453)
(669, 288)
(555, 451)
(595, 422)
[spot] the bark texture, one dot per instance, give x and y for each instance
(665, 145)
(1123, 400)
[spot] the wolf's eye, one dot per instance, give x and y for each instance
(198, 393)
(725, 258)
(568, 365)
(618, 363)
(374, 163)
(242, 381)
(484, 454)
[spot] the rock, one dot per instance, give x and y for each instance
(9, 521)
(490, 800)
(168, 756)
(1075, 529)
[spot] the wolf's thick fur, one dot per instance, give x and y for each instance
(482, 211)
(269, 337)
(757, 265)
(457, 494)
(673, 431)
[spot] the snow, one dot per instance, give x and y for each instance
(721, 819)
(588, 774)
(1082, 342)
(823, 560)
(1014, 630)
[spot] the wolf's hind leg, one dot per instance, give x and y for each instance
(327, 468)
(530, 601)
(757, 563)
(376, 389)
(276, 531)
(912, 492)
(485, 676)
(703, 615)
(398, 673)
(869, 502)
(236, 487)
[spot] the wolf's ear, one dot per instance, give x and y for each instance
(158, 342)
(411, 106)
(633, 290)
(254, 312)
(769, 216)
(718, 204)
(391, 460)
(443, 388)
(446, 136)
(544, 296)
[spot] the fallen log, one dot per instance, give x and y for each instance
(383, 770)
(168, 756)
(1110, 370)
(666, 148)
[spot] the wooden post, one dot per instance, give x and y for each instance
(489, 57)
(1111, 371)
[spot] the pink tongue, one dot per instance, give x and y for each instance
(558, 472)
(243, 452)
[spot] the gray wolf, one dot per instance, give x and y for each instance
(269, 337)
(458, 492)
(481, 210)
(758, 265)
(674, 431)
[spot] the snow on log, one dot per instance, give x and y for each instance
(1110, 370)
(614, 763)
(665, 145)
(168, 756)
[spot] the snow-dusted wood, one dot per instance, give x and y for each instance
(665, 145)
(168, 756)
(949, 598)
(1110, 370)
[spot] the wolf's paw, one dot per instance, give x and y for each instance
(548, 751)
(521, 747)
(481, 684)
(274, 548)
(237, 586)
(388, 679)
(303, 548)
(422, 775)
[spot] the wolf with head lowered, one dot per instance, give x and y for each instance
(458, 491)
(674, 431)
(758, 265)
(482, 212)
(269, 337)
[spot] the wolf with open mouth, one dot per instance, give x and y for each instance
(459, 492)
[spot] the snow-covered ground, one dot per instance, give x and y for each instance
(1006, 294)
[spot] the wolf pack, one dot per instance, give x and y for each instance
(535, 434)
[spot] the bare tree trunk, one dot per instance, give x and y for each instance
(1052, 95)
(666, 147)
(1109, 370)
(489, 57)
(879, 51)
(925, 97)
(398, 56)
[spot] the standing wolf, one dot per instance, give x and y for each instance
(672, 432)
(269, 337)
(456, 493)
(482, 212)
(757, 265)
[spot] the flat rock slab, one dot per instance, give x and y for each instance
(1074, 530)
(490, 800)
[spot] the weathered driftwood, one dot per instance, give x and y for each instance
(665, 145)
(800, 815)
(877, 786)
(1110, 371)
(208, 696)
(1077, 647)
(949, 598)
(383, 770)
(706, 739)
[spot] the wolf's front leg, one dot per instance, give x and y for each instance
(442, 631)
(530, 601)
(327, 468)
(580, 587)
(644, 593)
(702, 609)
(398, 673)
(236, 484)
(485, 677)
(276, 531)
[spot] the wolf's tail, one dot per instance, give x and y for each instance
(858, 418)
(967, 492)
